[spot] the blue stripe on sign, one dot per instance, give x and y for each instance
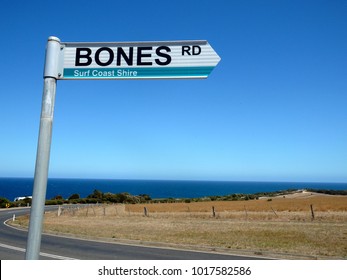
(136, 73)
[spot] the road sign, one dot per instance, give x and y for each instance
(144, 60)
(137, 60)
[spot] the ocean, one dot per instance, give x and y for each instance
(14, 187)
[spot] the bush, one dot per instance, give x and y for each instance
(74, 196)
(96, 194)
(5, 203)
(54, 202)
(145, 197)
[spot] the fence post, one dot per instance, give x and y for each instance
(213, 212)
(312, 212)
(274, 211)
(145, 212)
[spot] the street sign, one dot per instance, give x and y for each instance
(144, 60)
(137, 60)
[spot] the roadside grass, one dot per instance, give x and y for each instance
(281, 226)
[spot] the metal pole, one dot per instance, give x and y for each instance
(43, 149)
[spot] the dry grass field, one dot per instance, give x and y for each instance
(284, 227)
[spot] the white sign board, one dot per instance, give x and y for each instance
(137, 60)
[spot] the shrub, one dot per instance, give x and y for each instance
(5, 203)
(54, 202)
(74, 196)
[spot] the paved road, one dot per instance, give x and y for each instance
(13, 244)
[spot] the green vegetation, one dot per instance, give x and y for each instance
(331, 192)
(98, 196)
(4, 202)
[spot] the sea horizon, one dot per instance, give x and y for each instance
(11, 187)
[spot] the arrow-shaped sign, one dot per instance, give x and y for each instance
(137, 60)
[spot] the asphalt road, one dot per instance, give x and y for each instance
(13, 244)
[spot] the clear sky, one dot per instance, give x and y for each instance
(274, 109)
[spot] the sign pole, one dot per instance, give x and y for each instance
(43, 149)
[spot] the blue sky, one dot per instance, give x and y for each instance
(274, 109)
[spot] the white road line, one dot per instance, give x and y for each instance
(41, 254)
